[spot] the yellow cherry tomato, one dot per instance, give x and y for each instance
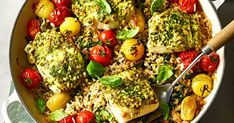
(132, 49)
(70, 27)
(188, 108)
(202, 85)
(57, 101)
(139, 20)
(43, 8)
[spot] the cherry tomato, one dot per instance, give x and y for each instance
(101, 54)
(30, 78)
(59, 14)
(108, 38)
(209, 63)
(187, 57)
(33, 27)
(85, 117)
(173, 1)
(59, 3)
(68, 119)
(189, 6)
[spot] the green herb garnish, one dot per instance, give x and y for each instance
(104, 5)
(95, 69)
(165, 109)
(40, 104)
(156, 5)
(57, 115)
(165, 72)
(127, 34)
(112, 81)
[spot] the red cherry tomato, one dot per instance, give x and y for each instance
(68, 119)
(187, 57)
(33, 27)
(101, 54)
(59, 3)
(85, 117)
(173, 1)
(108, 37)
(209, 63)
(30, 78)
(189, 6)
(59, 14)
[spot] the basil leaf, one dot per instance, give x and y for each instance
(165, 109)
(40, 104)
(57, 115)
(156, 5)
(112, 81)
(104, 6)
(95, 69)
(165, 72)
(127, 34)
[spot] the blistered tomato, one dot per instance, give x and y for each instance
(59, 3)
(189, 6)
(209, 63)
(33, 27)
(187, 57)
(59, 14)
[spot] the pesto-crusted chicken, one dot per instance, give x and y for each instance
(173, 31)
(134, 98)
(97, 11)
(58, 60)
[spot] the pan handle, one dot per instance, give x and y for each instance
(12, 98)
(217, 3)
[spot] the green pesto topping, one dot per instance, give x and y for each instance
(57, 59)
(173, 31)
(133, 93)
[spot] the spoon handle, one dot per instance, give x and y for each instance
(225, 35)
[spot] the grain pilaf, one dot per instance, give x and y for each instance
(116, 51)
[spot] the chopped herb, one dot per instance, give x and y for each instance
(40, 104)
(127, 34)
(104, 5)
(156, 5)
(57, 115)
(165, 72)
(95, 69)
(112, 81)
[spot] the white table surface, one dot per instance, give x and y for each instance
(8, 13)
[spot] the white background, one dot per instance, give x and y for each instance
(9, 10)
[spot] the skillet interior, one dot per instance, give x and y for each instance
(18, 60)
